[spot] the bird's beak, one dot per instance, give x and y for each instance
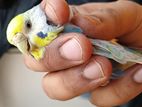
(59, 29)
(21, 42)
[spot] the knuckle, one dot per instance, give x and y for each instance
(110, 21)
(49, 60)
(56, 88)
(74, 83)
(47, 63)
(106, 21)
(69, 83)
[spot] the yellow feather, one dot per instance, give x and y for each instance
(38, 53)
(41, 42)
(15, 26)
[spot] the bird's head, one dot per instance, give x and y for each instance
(32, 30)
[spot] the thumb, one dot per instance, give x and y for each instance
(107, 20)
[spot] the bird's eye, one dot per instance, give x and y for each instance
(28, 24)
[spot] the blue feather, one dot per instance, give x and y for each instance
(42, 35)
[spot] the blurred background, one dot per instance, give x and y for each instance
(20, 87)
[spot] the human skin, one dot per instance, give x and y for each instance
(70, 75)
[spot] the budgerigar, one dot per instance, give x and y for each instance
(31, 31)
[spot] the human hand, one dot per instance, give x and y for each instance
(81, 72)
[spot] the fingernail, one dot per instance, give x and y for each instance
(93, 71)
(71, 50)
(138, 76)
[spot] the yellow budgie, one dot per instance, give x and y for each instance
(31, 31)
